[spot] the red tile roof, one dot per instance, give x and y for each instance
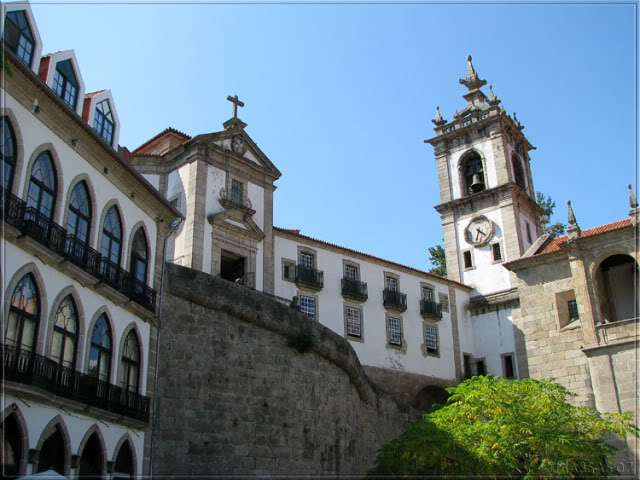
(296, 232)
(555, 244)
(165, 131)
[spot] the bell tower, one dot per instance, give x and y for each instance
(487, 200)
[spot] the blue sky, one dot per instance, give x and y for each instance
(341, 97)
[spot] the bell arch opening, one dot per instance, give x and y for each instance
(616, 281)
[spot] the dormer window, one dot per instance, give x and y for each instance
(103, 121)
(65, 83)
(473, 174)
(17, 35)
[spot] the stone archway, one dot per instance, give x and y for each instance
(428, 396)
(616, 281)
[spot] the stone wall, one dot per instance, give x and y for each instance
(234, 398)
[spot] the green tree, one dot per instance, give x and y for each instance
(492, 426)
(548, 205)
(438, 260)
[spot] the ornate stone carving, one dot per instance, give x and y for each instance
(492, 100)
(472, 81)
(438, 121)
(238, 145)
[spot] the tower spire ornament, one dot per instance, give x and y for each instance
(439, 121)
(633, 203)
(472, 81)
(492, 100)
(573, 230)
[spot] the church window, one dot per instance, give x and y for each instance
(308, 306)
(236, 192)
(100, 354)
(354, 321)
(473, 172)
(103, 121)
(65, 83)
(518, 172)
(42, 187)
(394, 328)
(79, 215)
(130, 363)
(467, 257)
(431, 339)
(18, 36)
(444, 301)
(508, 369)
(65, 334)
(496, 252)
(24, 315)
(573, 310)
(7, 153)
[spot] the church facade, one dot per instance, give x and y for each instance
(85, 224)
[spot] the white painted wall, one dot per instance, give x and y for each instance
(177, 182)
(373, 351)
(35, 134)
(494, 334)
(37, 416)
(487, 276)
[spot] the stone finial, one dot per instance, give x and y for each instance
(517, 122)
(472, 81)
(574, 230)
(439, 121)
(633, 203)
(492, 100)
(456, 115)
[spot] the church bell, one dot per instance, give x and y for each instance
(477, 185)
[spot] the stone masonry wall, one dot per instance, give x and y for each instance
(234, 398)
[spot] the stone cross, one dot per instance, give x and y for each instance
(236, 104)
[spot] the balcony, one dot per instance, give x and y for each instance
(59, 244)
(309, 277)
(354, 289)
(394, 300)
(429, 309)
(27, 368)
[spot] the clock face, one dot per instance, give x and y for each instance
(479, 231)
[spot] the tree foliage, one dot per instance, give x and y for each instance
(492, 426)
(548, 206)
(438, 260)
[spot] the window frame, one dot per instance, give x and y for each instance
(493, 246)
(103, 353)
(464, 263)
(290, 266)
(136, 258)
(127, 364)
(41, 186)
(73, 229)
(305, 295)
(109, 236)
(20, 315)
(64, 333)
(100, 120)
(402, 346)
(503, 361)
(352, 336)
(427, 350)
(443, 299)
(20, 35)
(11, 160)
(61, 82)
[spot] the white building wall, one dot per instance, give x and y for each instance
(177, 182)
(373, 351)
(34, 134)
(494, 335)
(256, 197)
(153, 180)
(486, 276)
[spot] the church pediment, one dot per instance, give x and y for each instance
(237, 221)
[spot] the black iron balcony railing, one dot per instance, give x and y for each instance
(45, 231)
(11, 209)
(354, 289)
(25, 367)
(431, 309)
(309, 276)
(394, 299)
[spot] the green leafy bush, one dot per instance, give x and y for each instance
(492, 426)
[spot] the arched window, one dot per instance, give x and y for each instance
(7, 153)
(11, 435)
(124, 462)
(42, 187)
(100, 355)
(79, 216)
(473, 174)
(139, 262)
(24, 314)
(130, 363)
(18, 36)
(52, 453)
(91, 459)
(65, 334)
(65, 83)
(103, 121)
(616, 282)
(112, 236)
(518, 172)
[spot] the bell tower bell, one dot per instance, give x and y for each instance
(487, 200)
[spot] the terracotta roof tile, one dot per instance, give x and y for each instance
(555, 244)
(166, 130)
(296, 232)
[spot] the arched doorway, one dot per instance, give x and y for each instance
(52, 453)
(428, 396)
(11, 454)
(124, 467)
(616, 282)
(91, 459)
